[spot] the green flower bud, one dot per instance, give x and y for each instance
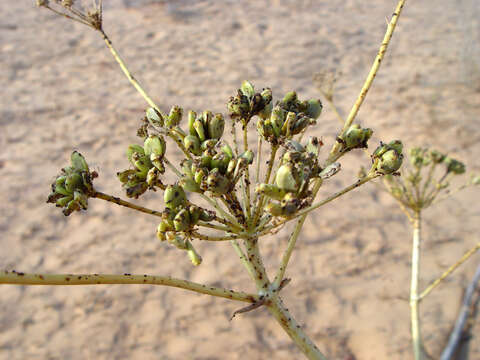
(301, 124)
(72, 182)
(289, 100)
(143, 164)
(285, 179)
(154, 117)
(232, 164)
(239, 106)
(207, 215)
(313, 108)
(274, 209)
(155, 145)
(124, 176)
(174, 197)
(174, 117)
(277, 120)
(216, 126)
(81, 199)
(454, 166)
(162, 228)
(157, 161)
(181, 222)
(266, 111)
(220, 161)
(248, 155)
(289, 124)
(152, 176)
(192, 144)
(199, 175)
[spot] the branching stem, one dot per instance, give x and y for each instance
(118, 201)
(13, 277)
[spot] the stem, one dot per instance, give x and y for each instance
(243, 258)
(291, 243)
(334, 154)
(414, 299)
(259, 157)
(259, 205)
(255, 259)
(118, 201)
(451, 269)
(172, 167)
(457, 332)
(246, 176)
(127, 73)
(213, 238)
(294, 330)
(20, 278)
(231, 220)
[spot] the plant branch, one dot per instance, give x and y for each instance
(450, 270)
(118, 201)
(335, 153)
(19, 278)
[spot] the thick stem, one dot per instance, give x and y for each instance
(293, 329)
(14, 277)
(414, 298)
(255, 259)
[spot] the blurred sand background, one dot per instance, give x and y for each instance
(62, 90)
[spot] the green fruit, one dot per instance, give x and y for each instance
(134, 149)
(285, 179)
(270, 190)
(192, 144)
(154, 117)
(174, 196)
(181, 222)
(247, 89)
(174, 117)
(78, 162)
(313, 108)
(216, 127)
(154, 145)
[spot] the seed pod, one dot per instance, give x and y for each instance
(152, 176)
(78, 162)
(73, 181)
(289, 124)
(454, 166)
(198, 125)
(154, 117)
(181, 222)
(154, 145)
(313, 108)
(301, 124)
(174, 117)
(313, 146)
(216, 127)
(227, 150)
(63, 201)
(157, 161)
(194, 212)
(61, 190)
(274, 209)
(132, 150)
(290, 100)
(277, 120)
(220, 161)
(71, 207)
(247, 89)
(192, 144)
(266, 95)
(174, 196)
(143, 164)
(285, 179)
(81, 199)
(195, 258)
(207, 215)
(199, 175)
(217, 183)
(134, 190)
(356, 137)
(231, 167)
(389, 162)
(247, 155)
(208, 144)
(189, 184)
(192, 116)
(125, 176)
(270, 190)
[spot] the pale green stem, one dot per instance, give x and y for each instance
(293, 329)
(259, 158)
(13, 277)
(246, 176)
(172, 167)
(214, 226)
(450, 270)
(335, 153)
(226, 215)
(212, 237)
(118, 201)
(291, 243)
(414, 298)
(255, 259)
(428, 180)
(259, 203)
(243, 258)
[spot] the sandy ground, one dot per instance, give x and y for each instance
(350, 273)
